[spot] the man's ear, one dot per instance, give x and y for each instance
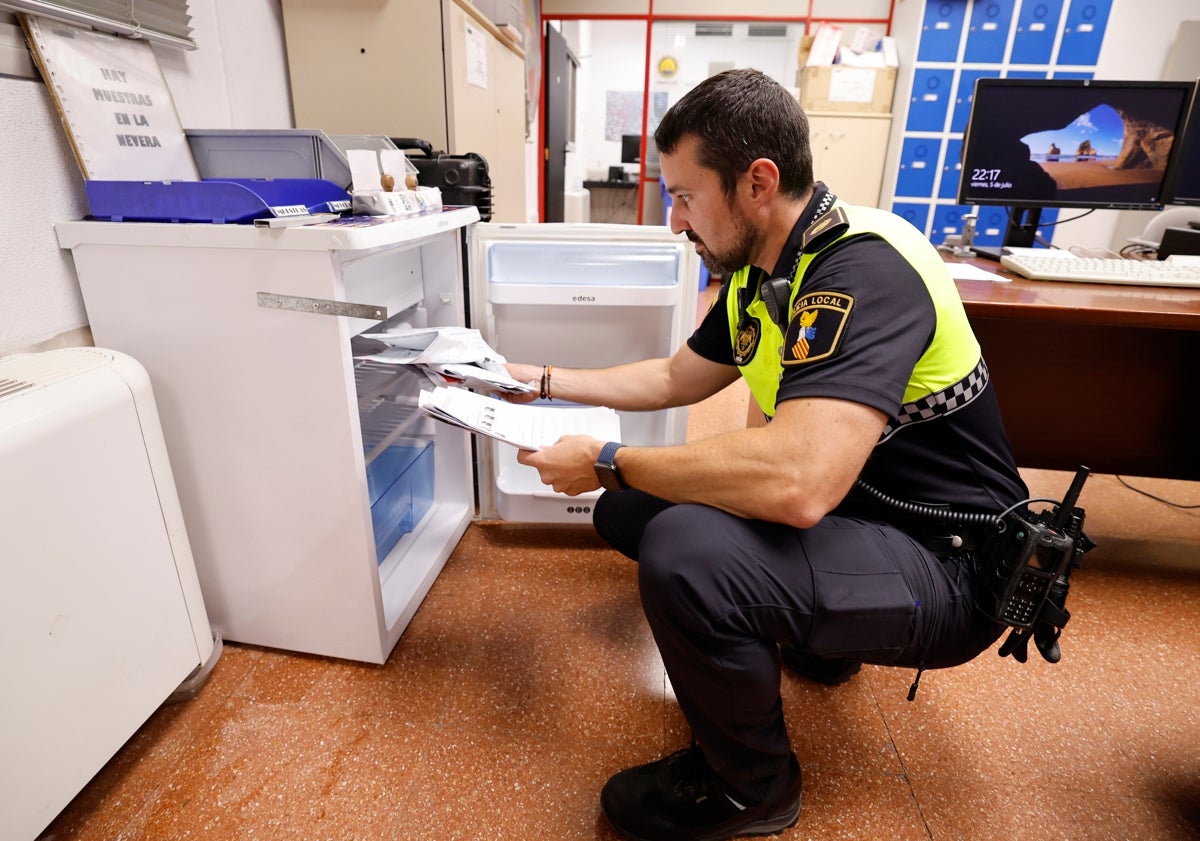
(763, 177)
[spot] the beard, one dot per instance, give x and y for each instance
(725, 261)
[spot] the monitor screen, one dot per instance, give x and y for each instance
(1033, 143)
(1183, 183)
(631, 148)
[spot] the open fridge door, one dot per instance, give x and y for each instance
(576, 296)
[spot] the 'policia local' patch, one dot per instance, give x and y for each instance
(815, 330)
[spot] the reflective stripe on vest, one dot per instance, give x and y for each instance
(952, 354)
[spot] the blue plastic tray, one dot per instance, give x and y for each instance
(236, 200)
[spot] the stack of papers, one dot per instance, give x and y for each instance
(525, 426)
(453, 356)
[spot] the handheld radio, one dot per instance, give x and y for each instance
(1027, 566)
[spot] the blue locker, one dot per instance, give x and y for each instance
(1046, 223)
(987, 36)
(1084, 31)
(941, 30)
(993, 220)
(951, 170)
(918, 166)
(917, 213)
(947, 221)
(965, 95)
(989, 228)
(931, 91)
(1037, 28)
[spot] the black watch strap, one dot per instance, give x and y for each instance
(606, 468)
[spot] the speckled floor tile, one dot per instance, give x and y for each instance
(1039, 809)
(838, 727)
(839, 805)
(488, 785)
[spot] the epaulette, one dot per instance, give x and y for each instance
(824, 229)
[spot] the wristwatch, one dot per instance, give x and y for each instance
(606, 468)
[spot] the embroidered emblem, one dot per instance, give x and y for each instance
(823, 229)
(746, 342)
(816, 327)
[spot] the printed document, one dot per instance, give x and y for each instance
(455, 356)
(522, 425)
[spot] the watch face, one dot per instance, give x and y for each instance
(607, 474)
(606, 468)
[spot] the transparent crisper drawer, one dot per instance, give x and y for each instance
(401, 484)
(397, 449)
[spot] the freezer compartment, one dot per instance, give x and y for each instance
(392, 278)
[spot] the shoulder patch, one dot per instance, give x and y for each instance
(816, 326)
(746, 342)
(823, 229)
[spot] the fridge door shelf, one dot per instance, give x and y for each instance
(522, 498)
(580, 269)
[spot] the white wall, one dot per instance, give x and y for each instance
(236, 79)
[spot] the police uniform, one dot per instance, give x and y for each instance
(865, 311)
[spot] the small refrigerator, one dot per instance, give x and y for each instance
(320, 502)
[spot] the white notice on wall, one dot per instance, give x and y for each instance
(114, 100)
(477, 64)
(851, 84)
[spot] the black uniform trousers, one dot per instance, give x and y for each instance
(721, 593)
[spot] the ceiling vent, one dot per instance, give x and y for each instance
(767, 30)
(714, 30)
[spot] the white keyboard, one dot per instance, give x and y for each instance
(1102, 270)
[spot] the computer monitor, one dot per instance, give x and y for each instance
(1039, 143)
(631, 148)
(1183, 182)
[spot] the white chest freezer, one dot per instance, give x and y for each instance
(320, 503)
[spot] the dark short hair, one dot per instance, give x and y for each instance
(739, 116)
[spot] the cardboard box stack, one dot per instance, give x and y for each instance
(859, 76)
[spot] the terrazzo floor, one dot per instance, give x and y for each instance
(528, 677)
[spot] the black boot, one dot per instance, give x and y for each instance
(680, 798)
(830, 672)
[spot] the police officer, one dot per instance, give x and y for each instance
(797, 535)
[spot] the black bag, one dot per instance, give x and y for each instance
(463, 179)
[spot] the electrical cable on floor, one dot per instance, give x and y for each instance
(1178, 505)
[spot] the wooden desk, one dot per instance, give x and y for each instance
(613, 201)
(1097, 374)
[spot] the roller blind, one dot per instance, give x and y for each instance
(162, 21)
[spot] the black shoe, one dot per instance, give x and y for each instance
(830, 672)
(680, 798)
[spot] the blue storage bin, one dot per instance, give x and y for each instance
(230, 200)
(400, 482)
